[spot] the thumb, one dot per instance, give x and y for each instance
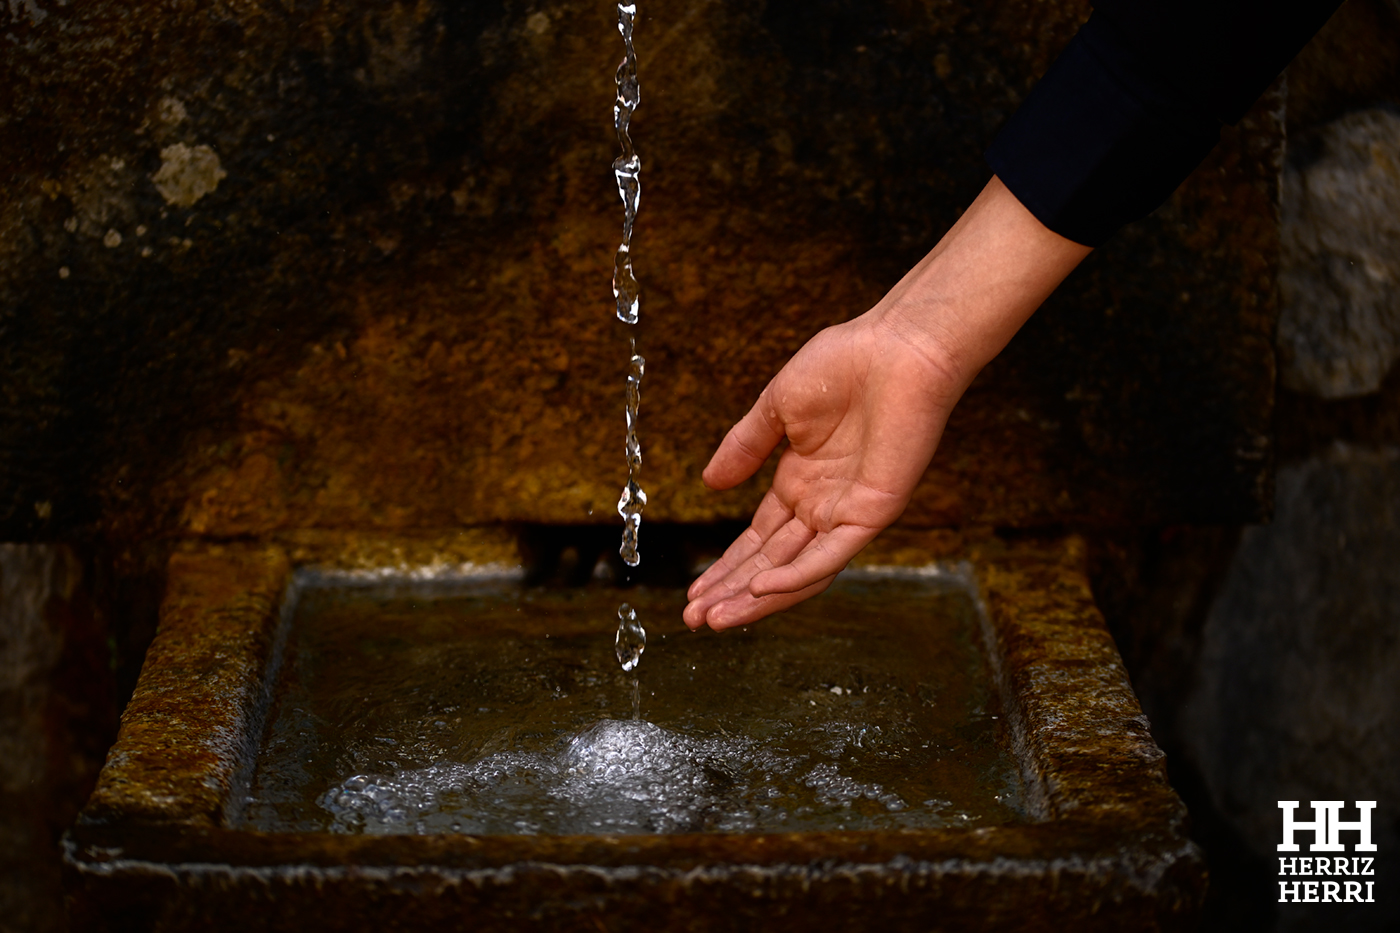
(745, 447)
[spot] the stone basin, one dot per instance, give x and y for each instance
(181, 834)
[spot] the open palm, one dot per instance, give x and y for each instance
(864, 403)
(862, 407)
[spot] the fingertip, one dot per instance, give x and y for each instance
(733, 612)
(707, 475)
(719, 623)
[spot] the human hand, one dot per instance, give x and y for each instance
(863, 406)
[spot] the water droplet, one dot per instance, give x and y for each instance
(625, 287)
(631, 638)
(630, 508)
(635, 370)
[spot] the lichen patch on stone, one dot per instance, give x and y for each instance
(187, 173)
(171, 110)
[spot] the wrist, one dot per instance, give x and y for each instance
(967, 298)
(928, 333)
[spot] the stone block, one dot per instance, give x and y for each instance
(1295, 696)
(1339, 325)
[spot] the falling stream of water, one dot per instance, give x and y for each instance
(394, 717)
(631, 637)
(627, 167)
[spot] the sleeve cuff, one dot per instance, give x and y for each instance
(1098, 143)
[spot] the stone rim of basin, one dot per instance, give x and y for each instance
(1103, 821)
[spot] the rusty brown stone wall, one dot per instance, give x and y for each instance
(285, 266)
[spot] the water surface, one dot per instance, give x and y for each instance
(491, 708)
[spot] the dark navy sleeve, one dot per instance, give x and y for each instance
(1136, 101)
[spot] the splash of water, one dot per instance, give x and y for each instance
(623, 777)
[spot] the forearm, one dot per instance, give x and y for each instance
(967, 298)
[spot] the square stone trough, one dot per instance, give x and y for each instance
(1103, 846)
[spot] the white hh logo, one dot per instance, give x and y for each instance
(1326, 826)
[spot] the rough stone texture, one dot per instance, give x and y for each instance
(1339, 275)
(56, 717)
(1104, 850)
(1296, 696)
(1350, 65)
(460, 549)
(1075, 715)
(819, 883)
(1157, 585)
(185, 733)
(1309, 425)
(391, 311)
